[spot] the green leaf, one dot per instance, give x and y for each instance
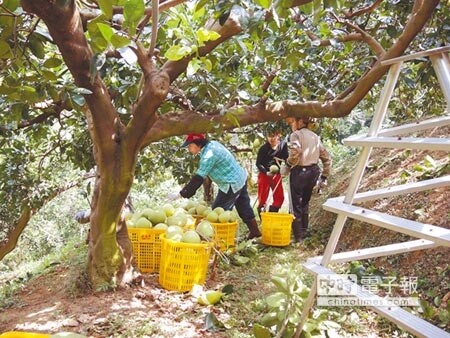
(206, 35)
(212, 323)
(49, 75)
(260, 331)
(317, 8)
(200, 5)
(228, 289)
(82, 91)
(207, 63)
(36, 46)
(5, 51)
(429, 162)
(133, 11)
(193, 66)
(107, 7)
(240, 260)
(269, 319)
(106, 30)
(264, 3)
(280, 283)
(52, 63)
(175, 53)
(276, 300)
(119, 41)
(11, 5)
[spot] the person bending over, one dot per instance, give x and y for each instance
(217, 163)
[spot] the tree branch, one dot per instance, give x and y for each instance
(351, 14)
(65, 27)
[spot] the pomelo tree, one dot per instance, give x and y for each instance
(96, 83)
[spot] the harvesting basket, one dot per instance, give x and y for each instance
(183, 264)
(146, 248)
(23, 334)
(225, 234)
(276, 228)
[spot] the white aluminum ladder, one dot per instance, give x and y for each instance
(428, 236)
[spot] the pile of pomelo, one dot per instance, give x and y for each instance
(179, 222)
(159, 217)
(204, 231)
(216, 215)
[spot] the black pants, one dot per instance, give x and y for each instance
(302, 181)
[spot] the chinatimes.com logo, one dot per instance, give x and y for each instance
(369, 301)
(344, 290)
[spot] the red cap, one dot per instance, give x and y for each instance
(193, 137)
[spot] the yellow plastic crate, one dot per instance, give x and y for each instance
(225, 234)
(183, 264)
(276, 228)
(146, 248)
(23, 334)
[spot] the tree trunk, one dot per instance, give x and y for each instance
(110, 259)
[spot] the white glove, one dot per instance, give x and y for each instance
(173, 196)
(322, 184)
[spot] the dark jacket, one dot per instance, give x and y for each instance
(266, 155)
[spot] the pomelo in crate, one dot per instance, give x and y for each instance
(183, 264)
(144, 230)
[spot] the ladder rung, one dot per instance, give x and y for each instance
(379, 251)
(402, 189)
(428, 143)
(402, 318)
(438, 50)
(414, 127)
(415, 229)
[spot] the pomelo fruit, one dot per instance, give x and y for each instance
(191, 236)
(174, 233)
(274, 168)
(206, 212)
(233, 216)
(177, 219)
(161, 226)
(200, 209)
(143, 223)
(147, 212)
(157, 216)
(169, 209)
(218, 210)
(225, 216)
(205, 229)
(210, 297)
(212, 217)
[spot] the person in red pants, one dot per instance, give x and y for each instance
(274, 148)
